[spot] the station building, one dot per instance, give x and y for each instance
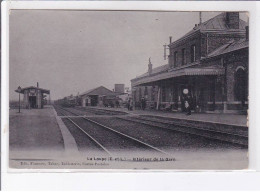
(211, 61)
(96, 96)
(33, 97)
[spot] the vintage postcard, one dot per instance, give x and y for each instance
(160, 90)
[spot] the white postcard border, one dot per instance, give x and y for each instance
(138, 179)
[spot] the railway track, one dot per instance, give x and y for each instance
(238, 139)
(101, 112)
(232, 129)
(105, 134)
(79, 111)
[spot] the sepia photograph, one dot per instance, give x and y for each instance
(142, 90)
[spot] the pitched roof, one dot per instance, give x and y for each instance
(229, 47)
(216, 23)
(99, 91)
(33, 87)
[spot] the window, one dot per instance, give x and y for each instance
(135, 96)
(140, 94)
(175, 58)
(183, 54)
(146, 92)
(153, 95)
(163, 94)
(171, 94)
(193, 53)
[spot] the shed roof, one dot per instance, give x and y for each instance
(99, 91)
(156, 70)
(229, 47)
(33, 87)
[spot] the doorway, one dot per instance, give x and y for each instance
(241, 86)
(32, 101)
(94, 100)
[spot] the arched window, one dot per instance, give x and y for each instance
(241, 85)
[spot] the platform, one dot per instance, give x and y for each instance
(34, 129)
(213, 118)
(38, 136)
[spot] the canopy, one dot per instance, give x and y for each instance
(181, 72)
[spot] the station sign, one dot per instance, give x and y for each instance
(32, 92)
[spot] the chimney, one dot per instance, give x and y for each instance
(37, 84)
(150, 67)
(170, 39)
(247, 33)
(232, 20)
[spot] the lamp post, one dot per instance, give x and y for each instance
(19, 91)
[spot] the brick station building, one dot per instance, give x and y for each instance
(211, 61)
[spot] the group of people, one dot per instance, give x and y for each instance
(130, 104)
(187, 99)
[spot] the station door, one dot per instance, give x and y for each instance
(94, 100)
(32, 101)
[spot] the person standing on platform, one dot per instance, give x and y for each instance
(187, 101)
(142, 103)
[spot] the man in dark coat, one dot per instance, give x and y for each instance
(187, 102)
(143, 103)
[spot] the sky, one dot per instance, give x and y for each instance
(70, 52)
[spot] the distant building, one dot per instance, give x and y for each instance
(34, 97)
(120, 88)
(127, 90)
(210, 61)
(96, 96)
(123, 92)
